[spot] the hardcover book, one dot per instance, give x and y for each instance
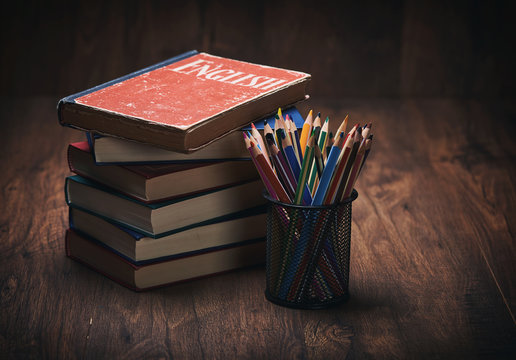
(185, 102)
(112, 150)
(159, 182)
(156, 274)
(140, 249)
(164, 217)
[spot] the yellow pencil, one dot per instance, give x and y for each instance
(305, 132)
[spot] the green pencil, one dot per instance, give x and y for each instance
(305, 167)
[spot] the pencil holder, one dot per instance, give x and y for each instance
(307, 261)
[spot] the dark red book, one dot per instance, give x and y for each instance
(158, 182)
(185, 102)
(152, 275)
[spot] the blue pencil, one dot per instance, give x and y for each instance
(320, 193)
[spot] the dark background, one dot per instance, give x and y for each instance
(432, 271)
(459, 49)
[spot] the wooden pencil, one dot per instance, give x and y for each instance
(306, 131)
(357, 140)
(256, 134)
(289, 182)
(307, 162)
(341, 166)
(354, 171)
(290, 155)
(295, 139)
(269, 174)
(270, 189)
(329, 169)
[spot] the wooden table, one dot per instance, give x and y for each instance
(432, 258)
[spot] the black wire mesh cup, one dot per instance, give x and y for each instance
(307, 263)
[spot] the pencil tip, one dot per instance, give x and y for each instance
(252, 125)
(327, 119)
(276, 117)
(265, 122)
(319, 114)
(310, 113)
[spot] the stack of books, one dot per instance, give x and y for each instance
(164, 190)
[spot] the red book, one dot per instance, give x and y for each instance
(185, 102)
(157, 274)
(159, 182)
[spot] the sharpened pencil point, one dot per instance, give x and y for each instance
(276, 117)
(327, 119)
(252, 125)
(319, 114)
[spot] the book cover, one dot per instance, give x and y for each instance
(159, 182)
(162, 218)
(158, 274)
(111, 150)
(184, 103)
(244, 226)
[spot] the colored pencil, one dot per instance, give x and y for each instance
(329, 143)
(312, 176)
(368, 148)
(268, 174)
(307, 162)
(357, 140)
(288, 150)
(256, 134)
(366, 130)
(265, 180)
(329, 169)
(295, 139)
(306, 131)
(342, 127)
(323, 138)
(354, 170)
(282, 168)
(339, 171)
(318, 160)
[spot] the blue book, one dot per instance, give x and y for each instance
(108, 150)
(162, 218)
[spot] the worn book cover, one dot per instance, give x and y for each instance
(185, 102)
(152, 275)
(111, 150)
(159, 182)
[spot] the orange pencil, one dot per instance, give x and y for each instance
(305, 132)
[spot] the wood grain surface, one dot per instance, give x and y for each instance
(432, 257)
